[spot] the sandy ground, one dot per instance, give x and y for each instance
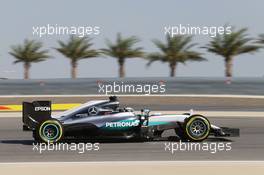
(153, 168)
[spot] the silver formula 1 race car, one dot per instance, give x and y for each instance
(105, 119)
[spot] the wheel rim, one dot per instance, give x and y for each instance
(50, 131)
(198, 128)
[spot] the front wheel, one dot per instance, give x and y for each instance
(196, 128)
(49, 131)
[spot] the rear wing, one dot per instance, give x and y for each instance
(34, 113)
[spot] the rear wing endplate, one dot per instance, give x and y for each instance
(35, 112)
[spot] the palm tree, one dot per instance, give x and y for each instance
(122, 49)
(75, 49)
(29, 52)
(260, 40)
(231, 45)
(175, 50)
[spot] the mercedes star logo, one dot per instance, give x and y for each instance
(92, 110)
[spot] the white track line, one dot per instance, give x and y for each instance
(207, 162)
(141, 95)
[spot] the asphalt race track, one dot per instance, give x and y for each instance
(16, 146)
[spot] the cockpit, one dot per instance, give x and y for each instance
(108, 107)
(95, 108)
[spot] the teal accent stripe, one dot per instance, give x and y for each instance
(154, 123)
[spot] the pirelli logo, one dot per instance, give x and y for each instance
(42, 108)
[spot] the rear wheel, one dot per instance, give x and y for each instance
(49, 131)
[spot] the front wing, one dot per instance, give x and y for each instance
(225, 132)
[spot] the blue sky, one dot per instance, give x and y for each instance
(143, 18)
